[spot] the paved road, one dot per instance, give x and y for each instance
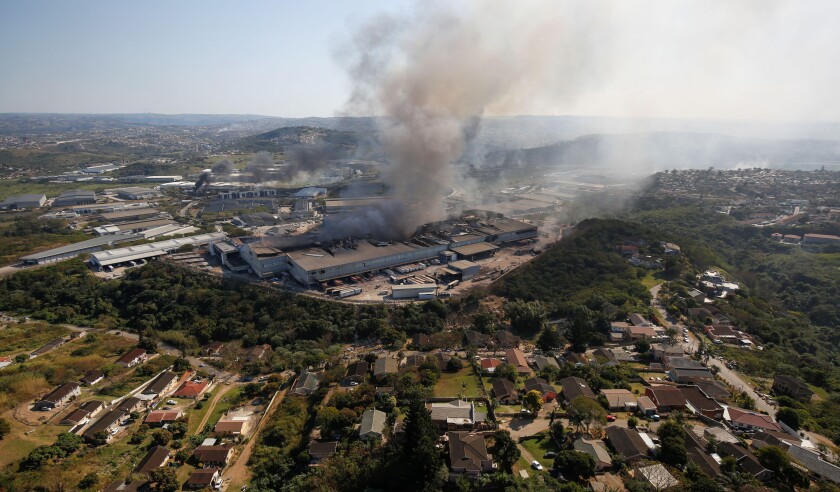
(728, 375)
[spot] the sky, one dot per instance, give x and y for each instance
(751, 59)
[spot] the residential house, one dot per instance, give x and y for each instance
(661, 350)
(319, 451)
(52, 344)
(696, 449)
(58, 396)
(306, 384)
(722, 333)
(108, 423)
(697, 296)
(356, 372)
(745, 420)
(814, 463)
(666, 398)
(157, 457)
(133, 357)
(574, 387)
(638, 320)
(204, 478)
(774, 438)
(719, 434)
(488, 366)
(76, 417)
(257, 352)
(620, 400)
(792, 387)
(191, 389)
(215, 456)
(690, 376)
(541, 385)
(468, 454)
(641, 332)
(646, 406)
(541, 362)
(232, 426)
(747, 461)
(507, 339)
(457, 415)
(161, 384)
(414, 360)
(505, 391)
(159, 418)
(715, 389)
(619, 331)
(385, 365)
(131, 404)
(623, 355)
(212, 349)
(576, 359)
(133, 486)
(627, 442)
(604, 356)
(516, 358)
(700, 403)
(373, 425)
(92, 377)
(657, 476)
(597, 450)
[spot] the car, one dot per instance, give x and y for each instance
(685, 339)
(550, 454)
(524, 412)
(201, 365)
(354, 383)
(171, 402)
(610, 418)
(536, 465)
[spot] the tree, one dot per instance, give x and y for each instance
(506, 371)
(454, 364)
(504, 450)
(161, 437)
(583, 412)
(557, 431)
(549, 339)
(68, 442)
(533, 401)
(642, 346)
(527, 317)
(580, 328)
(5, 428)
(632, 422)
(164, 480)
(705, 484)
(789, 416)
(575, 465)
(89, 481)
(773, 458)
(99, 438)
(181, 365)
(21, 358)
(178, 429)
(421, 462)
(672, 439)
(485, 322)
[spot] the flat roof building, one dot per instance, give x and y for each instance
(151, 250)
(134, 193)
(24, 202)
(76, 249)
(75, 197)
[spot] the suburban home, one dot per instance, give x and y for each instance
(696, 448)
(619, 331)
(541, 385)
(356, 372)
(690, 376)
(774, 438)
(232, 426)
(681, 362)
(646, 406)
(133, 357)
(745, 420)
(92, 406)
(666, 398)
(747, 461)
(215, 456)
(385, 365)
(576, 359)
(604, 356)
(641, 332)
(191, 389)
(204, 478)
(133, 486)
(700, 403)
(319, 451)
(722, 333)
(157, 457)
(92, 377)
(164, 382)
(51, 345)
(715, 389)
(257, 352)
(131, 404)
(507, 339)
(541, 362)
(58, 396)
(212, 349)
(457, 415)
(505, 391)
(420, 340)
(661, 350)
(108, 423)
(720, 434)
(627, 443)
(76, 417)
(488, 366)
(814, 463)
(638, 320)
(597, 450)
(306, 384)
(414, 360)
(159, 418)
(468, 454)
(792, 387)
(620, 399)
(373, 425)
(657, 476)
(516, 358)
(574, 387)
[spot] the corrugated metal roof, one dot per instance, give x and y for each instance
(81, 246)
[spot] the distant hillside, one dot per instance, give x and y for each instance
(40, 123)
(332, 144)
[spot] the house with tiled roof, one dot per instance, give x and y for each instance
(792, 387)
(715, 389)
(541, 385)
(215, 456)
(541, 362)
(666, 398)
(505, 391)
(92, 377)
(516, 358)
(107, 423)
(157, 457)
(489, 365)
(468, 454)
(700, 403)
(58, 396)
(457, 415)
(356, 372)
(191, 389)
(597, 450)
(620, 399)
(373, 425)
(319, 451)
(133, 357)
(232, 426)
(746, 420)
(627, 442)
(385, 365)
(157, 418)
(574, 387)
(204, 478)
(76, 417)
(306, 384)
(746, 460)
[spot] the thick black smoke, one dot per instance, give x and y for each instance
(202, 183)
(385, 220)
(259, 166)
(224, 166)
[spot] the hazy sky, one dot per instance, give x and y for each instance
(750, 59)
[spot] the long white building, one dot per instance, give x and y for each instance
(151, 250)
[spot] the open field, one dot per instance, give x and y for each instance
(26, 337)
(462, 383)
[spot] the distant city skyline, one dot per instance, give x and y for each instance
(757, 60)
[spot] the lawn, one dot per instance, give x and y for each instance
(26, 337)
(652, 279)
(17, 444)
(462, 383)
(225, 404)
(508, 408)
(538, 445)
(638, 389)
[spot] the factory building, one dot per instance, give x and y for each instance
(23, 202)
(134, 193)
(129, 215)
(467, 270)
(76, 197)
(236, 194)
(76, 249)
(414, 291)
(119, 256)
(265, 261)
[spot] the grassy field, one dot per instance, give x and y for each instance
(462, 383)
(226, 403)
(20, 441)
(538, 445)
(637, 389)
(652, 279)
(26, 337)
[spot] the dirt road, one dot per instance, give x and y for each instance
(238, 473)
(223, 389)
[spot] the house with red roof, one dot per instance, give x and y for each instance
(488, 366)
(191, 389)
(746, 420)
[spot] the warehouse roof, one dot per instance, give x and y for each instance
(462, 264)
(474, 249)
(134, 212)
(319, 259)
(83, 245)
(120, 255)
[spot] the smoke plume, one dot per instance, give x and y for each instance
(202, 182)
(224, 166)
(259, 166)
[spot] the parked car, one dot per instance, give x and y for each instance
(171, 402)
(610, 418)
(536, 465)
(549, 455)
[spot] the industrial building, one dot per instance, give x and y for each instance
(75, 197)
(414, 291)
(134, 193)
(119, 256)
(76, 249)
(23, 202)
(127, 215)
